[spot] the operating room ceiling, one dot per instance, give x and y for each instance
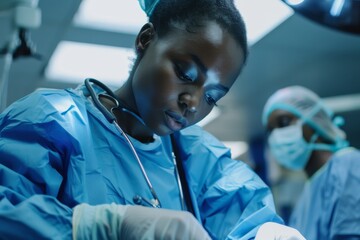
(298, 51)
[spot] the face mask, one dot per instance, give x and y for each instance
(289, 147)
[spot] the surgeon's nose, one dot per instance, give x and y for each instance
(188, 103)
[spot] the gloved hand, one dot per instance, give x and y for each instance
(276, 231)
(111, 221)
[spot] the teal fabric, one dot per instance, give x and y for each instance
(148, 6)
(329, 205)
(57, 150)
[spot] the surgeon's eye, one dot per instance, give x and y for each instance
(284, 121)
(213, 94)
(210, 100)
(186, 72)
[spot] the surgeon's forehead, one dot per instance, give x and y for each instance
(214, 46)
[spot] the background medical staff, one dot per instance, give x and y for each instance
(305, 135)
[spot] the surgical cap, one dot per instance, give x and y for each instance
(148, 6)
(307, 106)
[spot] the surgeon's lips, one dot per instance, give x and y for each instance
(175, 121)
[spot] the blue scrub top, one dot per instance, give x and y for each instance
(329, 207)
(58, 150)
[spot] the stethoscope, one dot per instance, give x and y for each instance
(155, 202)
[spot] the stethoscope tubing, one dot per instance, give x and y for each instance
(112, 119)
(179, 172)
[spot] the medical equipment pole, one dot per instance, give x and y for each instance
(26, 15)
(4, 81)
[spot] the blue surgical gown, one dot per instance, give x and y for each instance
(58, 150)
(329, 207)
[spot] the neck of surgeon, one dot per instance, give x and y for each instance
(127, 116)
(317, 160)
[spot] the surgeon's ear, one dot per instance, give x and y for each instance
(145, 36)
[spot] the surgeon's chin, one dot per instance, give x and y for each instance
(164, 131)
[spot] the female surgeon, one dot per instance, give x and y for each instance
(89, 163)
(304, 135)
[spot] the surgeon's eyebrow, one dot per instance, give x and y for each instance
(204, 70)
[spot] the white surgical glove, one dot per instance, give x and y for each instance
(111, 221)
(276, 231)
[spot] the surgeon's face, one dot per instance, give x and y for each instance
(182, 75)
(281, 118)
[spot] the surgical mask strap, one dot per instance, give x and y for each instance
(307, 117)
(320, 146)
(325, 147)
(317, 146)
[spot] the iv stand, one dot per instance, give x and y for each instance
(26, 15)
(8, 59)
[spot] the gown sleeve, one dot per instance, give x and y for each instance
(344, 176)
(233, 201)
(34, 149)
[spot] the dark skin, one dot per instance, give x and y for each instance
(281, 118)
(178, 79)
